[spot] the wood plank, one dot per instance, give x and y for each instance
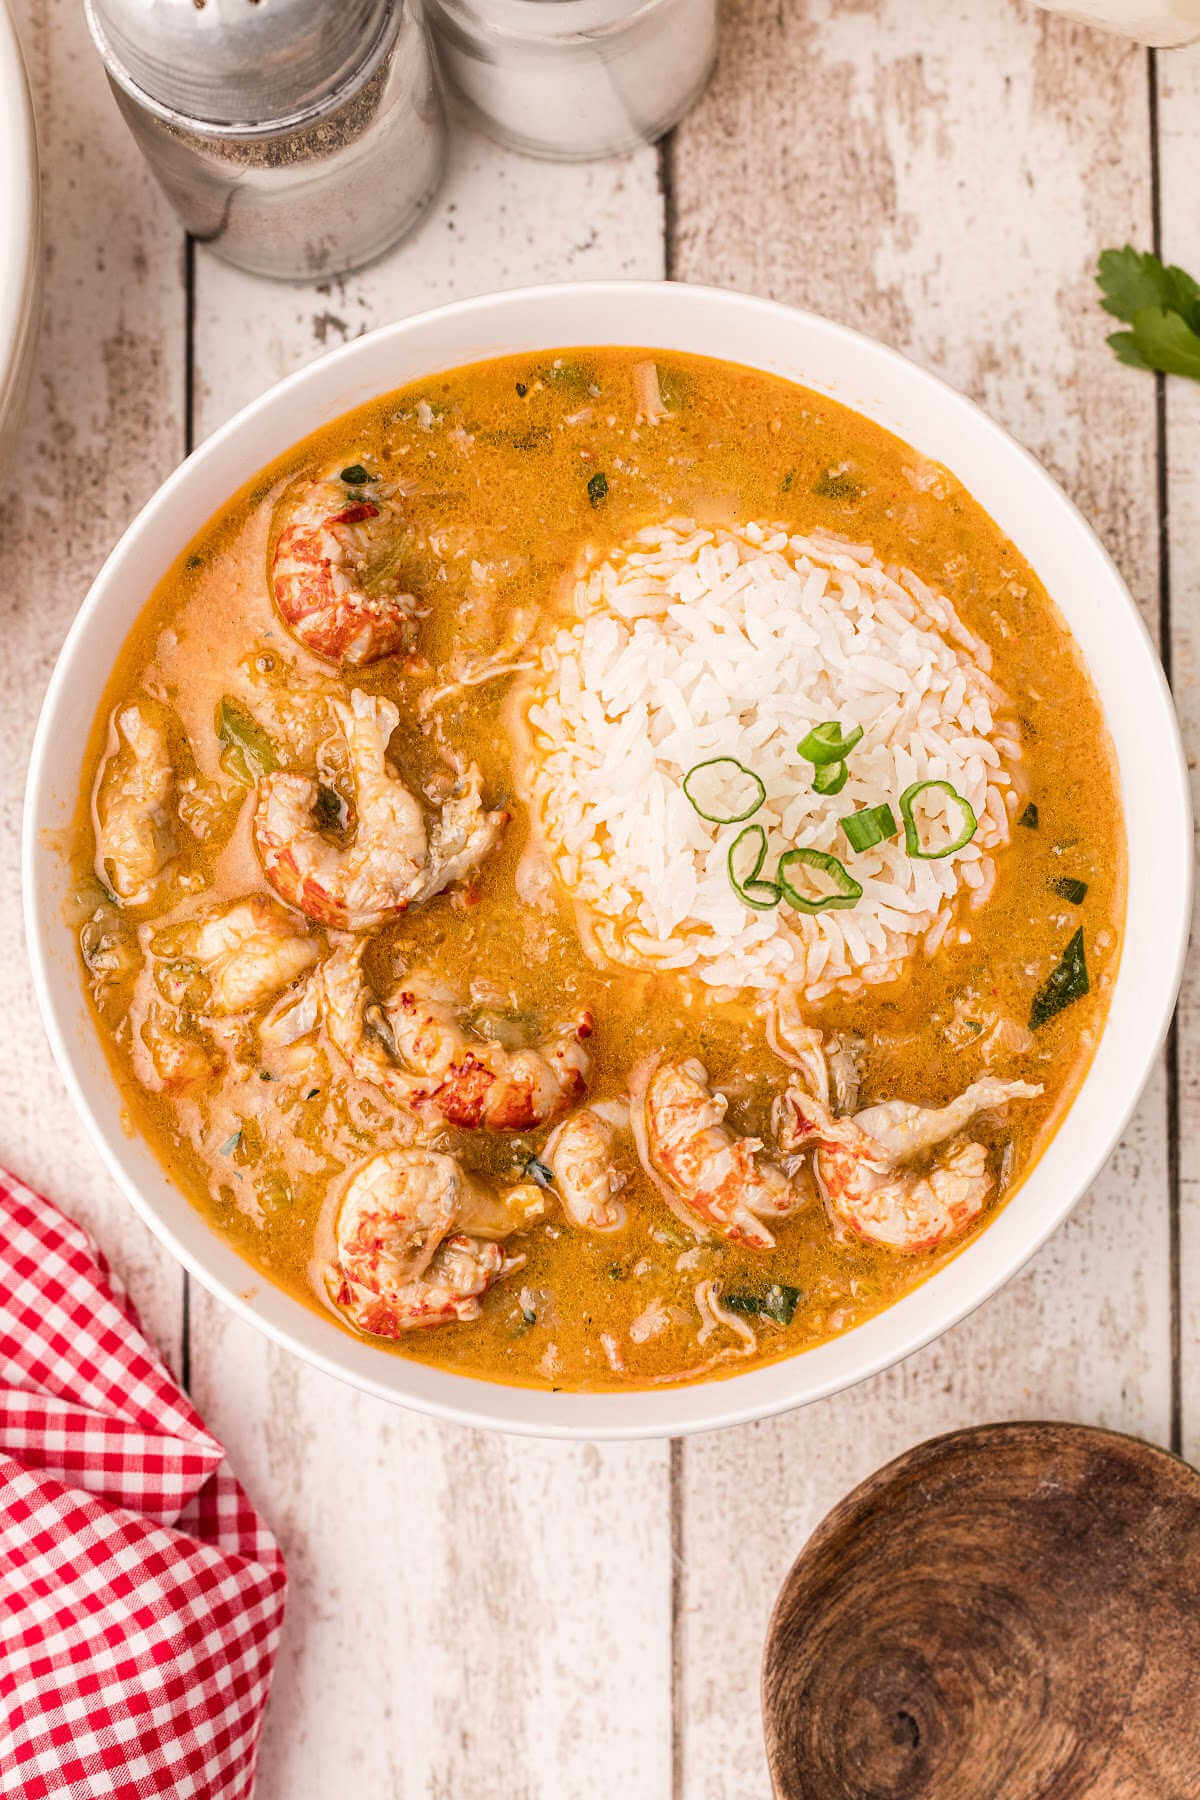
(1178, 76)
(469, 1614)
(944, 182)
(104, 427)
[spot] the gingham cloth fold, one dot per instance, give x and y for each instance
(141, 1596)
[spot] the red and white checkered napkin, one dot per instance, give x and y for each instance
(141, 1597)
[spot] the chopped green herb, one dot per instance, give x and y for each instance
(674, 387)
(968, 823)
(870, 826)
(830, 778)
(778, 1303)
(1070, 889)
(265, 1075)
(827, 743)
(1161, 304)
(231, 1144)
(522, 390)
(833, 485)
(251, 753)
(536, 438)
(91, 889)
(312, 1093)
(762, 895)
(1064, 984)
(536, 1170)
(1029, 818)
(574, 378)
(844, 891)
(195, 562)
(355, 475)
(523, 1320)
(616, 1271)
(719, 792)
(785, 486)
(597, 488)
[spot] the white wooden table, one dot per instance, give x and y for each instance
(486, 1617)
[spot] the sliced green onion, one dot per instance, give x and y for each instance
(1071, 890)
(355, 475)
(597, 488)
(845, 891)
(825, 743)
(761, 895)
(830, 778)
(1064, 984)
(706, 792)
(1029, 818)
(869, 827)
(912, 831)
(536, 1170)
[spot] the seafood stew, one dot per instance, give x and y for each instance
(599, 869)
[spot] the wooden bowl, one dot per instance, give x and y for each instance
(1006, 1613)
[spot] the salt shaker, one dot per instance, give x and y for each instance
(575, 79)
(1164, 23)
(299, 138)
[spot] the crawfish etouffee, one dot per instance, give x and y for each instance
(599, 869)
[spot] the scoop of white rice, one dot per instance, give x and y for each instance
(692, 644)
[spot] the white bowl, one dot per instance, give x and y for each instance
(1025, 504)
(20, 234)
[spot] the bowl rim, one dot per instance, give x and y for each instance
(20, 203)
(733, 1399)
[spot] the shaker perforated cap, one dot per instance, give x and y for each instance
(235, 62)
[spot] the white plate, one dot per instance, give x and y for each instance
(20, 234)
(1026, 505)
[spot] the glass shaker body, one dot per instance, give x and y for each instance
(576, 79)
(1163, 23)
(320, 192)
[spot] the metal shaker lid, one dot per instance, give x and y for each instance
(234, 62)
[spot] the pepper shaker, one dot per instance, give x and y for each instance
(298, 138)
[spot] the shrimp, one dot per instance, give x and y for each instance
(474, 1082)
(334, 575)
(413, 1046)
(170, 1053)
(821, 1061)
(249, 951)
(578, 1154)
(393, 862)
(706, 1173)
(135, 827)
(861, 1162)
(402, 1261)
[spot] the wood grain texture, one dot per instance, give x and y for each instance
(1178, 75)
(943, 177)
(104, 427)
(475, 1615)
(469, 1614)
(1010, 1610)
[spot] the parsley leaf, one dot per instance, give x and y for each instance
(1167, 342)
(1131, 282)
(1161, 303)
